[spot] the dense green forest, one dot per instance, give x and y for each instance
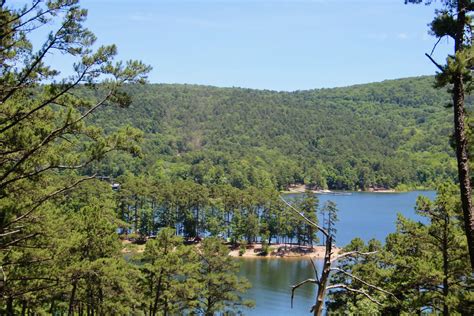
(424, 268)
(98, 162)
(388, 134)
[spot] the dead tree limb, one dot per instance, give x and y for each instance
(294, 287)
(316, 274)
(360, 291)
(362, 281)
(353, 253)
(434, 62)
(328, 261)
(322, 230)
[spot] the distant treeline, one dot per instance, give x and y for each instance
(194, 210)
(389, 134)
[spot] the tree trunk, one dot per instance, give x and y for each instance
(72, 298)
(228, 224)
(318, 307)
(445, 266)
(209, 307)
(23, 308)
(460, 135)
(51, 308)
(10, 311)
(165, 310)
(136, 215)
(196, 224)
(157, 296)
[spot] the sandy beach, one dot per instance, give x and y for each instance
(255, 251)
(283, 251)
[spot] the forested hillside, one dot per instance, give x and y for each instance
(388, 134)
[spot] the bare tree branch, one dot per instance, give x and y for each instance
(36, 17)
(353, 253)
(436, 44)
(434, 62)
(322, 230)
(315, 269)
(35, 63)
(362, 281)
(344, 286)
(46, 102)
(10, 233)
(55, 167)
(51, 137)
(294, 287)
(13, 242)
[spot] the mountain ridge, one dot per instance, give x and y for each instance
(387, 134)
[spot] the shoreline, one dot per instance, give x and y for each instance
(296, 189)
(254, 251)
(283, 251)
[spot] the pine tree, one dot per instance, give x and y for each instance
(170, 271)
(425, 266)
(222, 288)
(43, 129)
(455, 21)
(46, 140)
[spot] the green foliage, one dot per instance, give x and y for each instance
(425, 266)
(194, 210)
(55, 257)
(190, 279)
(74, 262)
(221, 286)
(169, 269)
(242, 248)
(454, 20)
(307, 205)
(329, 213)
(212, 159)
(374, 135)
(44, 128)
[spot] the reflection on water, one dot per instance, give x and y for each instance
(365, 215)
(370, 215)
(272, 280)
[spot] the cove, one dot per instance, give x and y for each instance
(370, 215)
(361, 214)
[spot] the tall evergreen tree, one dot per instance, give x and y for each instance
(222, 288)
(170, 275)
(455, 21)
(44, 134)
(43, 128)
(425, 266)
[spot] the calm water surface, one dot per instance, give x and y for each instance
(365, 215)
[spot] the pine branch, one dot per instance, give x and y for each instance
(44, 199)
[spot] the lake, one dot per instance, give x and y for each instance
(361, 214)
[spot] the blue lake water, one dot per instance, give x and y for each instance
(370, 215)
(361, 214)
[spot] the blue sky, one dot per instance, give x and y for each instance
(269, 44)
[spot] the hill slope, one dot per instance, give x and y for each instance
(381, 134)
